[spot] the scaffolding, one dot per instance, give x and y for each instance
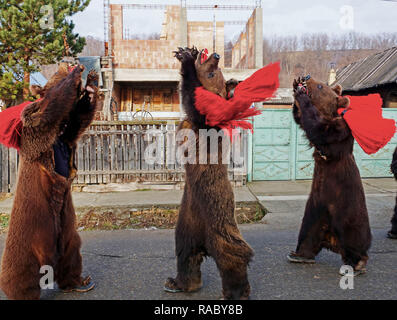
(106, 21)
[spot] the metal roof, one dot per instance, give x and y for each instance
(38, 79)
(370, 72)
(282, 96)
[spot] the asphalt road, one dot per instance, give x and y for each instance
(133, 264)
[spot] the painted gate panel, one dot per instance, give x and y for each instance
(271, 146)
(378, 164)
(304, 156)
(281, 150)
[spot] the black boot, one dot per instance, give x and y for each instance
(392, 234)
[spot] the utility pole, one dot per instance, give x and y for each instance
(107, 61)
(106, 22)
(214, 35)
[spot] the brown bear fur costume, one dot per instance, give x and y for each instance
(206, 224)
(393, 232)
(42, 226)
(336, 215)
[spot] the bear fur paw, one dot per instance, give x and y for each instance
(302, 98)
(171, 286)
(184, 54)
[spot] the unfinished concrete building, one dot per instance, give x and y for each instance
(144, 75)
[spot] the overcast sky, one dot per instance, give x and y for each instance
(280, 17)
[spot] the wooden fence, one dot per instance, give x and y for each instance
(114, 152)
(8, 169)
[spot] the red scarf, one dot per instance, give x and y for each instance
(204, 55)
(229, 114)
(364, 117)
(11, 125)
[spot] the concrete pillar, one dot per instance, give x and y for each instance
(182, 41)
(116, 18)
(258, 38)
(183, 28)
(240, 49)
(247, 46)
(331, 76)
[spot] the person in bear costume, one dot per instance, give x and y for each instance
(336, 215)
(392, 234)
(206, 224)
(42, 229)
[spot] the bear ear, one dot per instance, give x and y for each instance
(343, 102)
(338, 89)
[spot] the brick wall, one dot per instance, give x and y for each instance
(146, 54)
(200, 34)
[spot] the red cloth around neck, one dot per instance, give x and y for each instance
(233, 113)
(11, 125)
(204, 55)
(364, 117)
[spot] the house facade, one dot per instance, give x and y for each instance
(142, 76)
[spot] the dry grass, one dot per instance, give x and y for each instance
(161, 218)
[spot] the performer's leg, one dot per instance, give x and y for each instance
(311, 234)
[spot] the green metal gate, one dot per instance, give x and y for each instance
(273, 133)
(281, 150)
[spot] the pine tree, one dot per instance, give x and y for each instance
(32, 33)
